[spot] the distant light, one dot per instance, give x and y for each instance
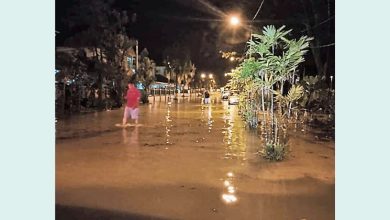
(203, 75)
(210, 76)
(231, 58)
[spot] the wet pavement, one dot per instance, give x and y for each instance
(187, 161)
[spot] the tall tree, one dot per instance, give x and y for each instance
(147, 69)
(177, 55)
(319, 23)
(102, 29)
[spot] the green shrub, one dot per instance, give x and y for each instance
(274, 151)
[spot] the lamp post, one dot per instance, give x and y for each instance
(170, 73)
(331, 82)
(136, 56)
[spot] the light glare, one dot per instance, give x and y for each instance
(234, 20)
(229, 198)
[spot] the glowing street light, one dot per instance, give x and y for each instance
(234, 20)
(203, 75)
(232, 59)
(210, 76)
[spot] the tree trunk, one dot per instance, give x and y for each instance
(281, 92)
(100, 89)
(316, 51)
(262, 106)
(100, 83)
(272, 107)
(64, 95)
(96, 54)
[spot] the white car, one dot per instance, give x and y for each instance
(225, 95)
(233, 100)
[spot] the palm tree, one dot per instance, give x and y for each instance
(272, 59)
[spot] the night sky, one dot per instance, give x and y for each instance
(197, 24)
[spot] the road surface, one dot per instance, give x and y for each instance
(187, 161)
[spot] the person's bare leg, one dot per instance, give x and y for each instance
(124, 121)
(136, 113)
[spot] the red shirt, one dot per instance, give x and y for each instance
(132, 97)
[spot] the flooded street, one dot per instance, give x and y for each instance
(187, 161)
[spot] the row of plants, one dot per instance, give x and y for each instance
(272, 95)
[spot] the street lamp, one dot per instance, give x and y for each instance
(202, 76)
(210, 76)
(234, 20)
(232, 59)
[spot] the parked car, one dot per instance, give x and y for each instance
(225, 95)
(233, 99)
(234, 92)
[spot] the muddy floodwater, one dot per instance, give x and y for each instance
(187, 161)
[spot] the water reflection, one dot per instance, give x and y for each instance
(130, 137)
(234, 134)
(229, 190)
(206, 112)
(168, 124)
(209, 119)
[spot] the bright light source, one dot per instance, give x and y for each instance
(231, 58)
(210, 76)
(234, 20)
(203, 75)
